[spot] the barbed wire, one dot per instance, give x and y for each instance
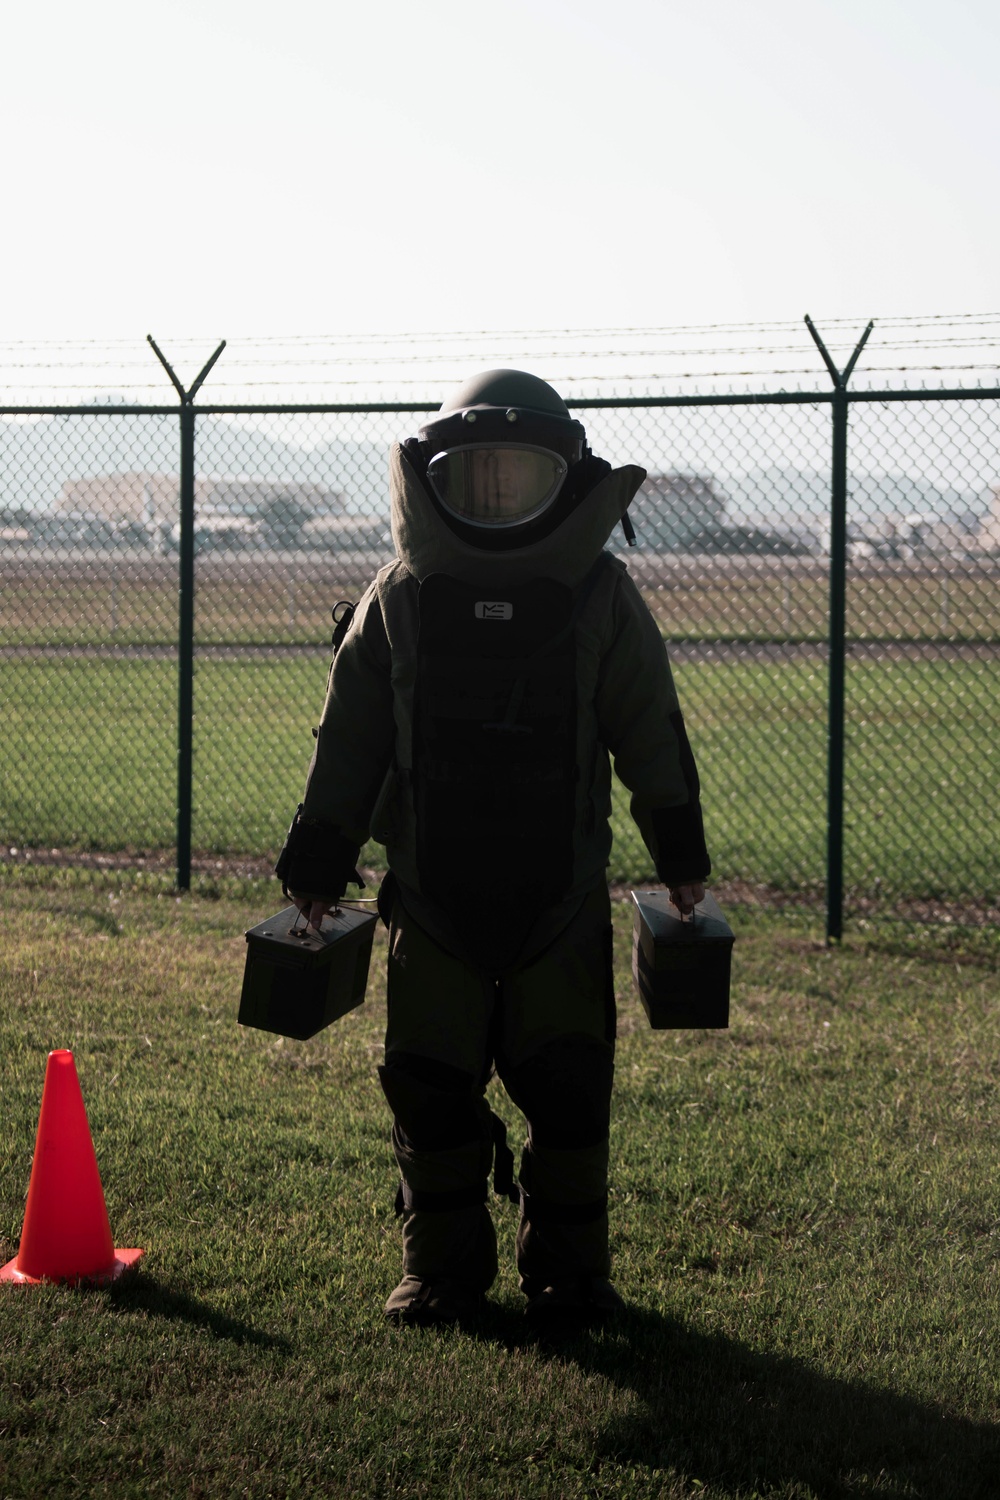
(429, 360)
(599, 361)
(408, 335)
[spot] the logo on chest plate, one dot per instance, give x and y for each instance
(489, 609)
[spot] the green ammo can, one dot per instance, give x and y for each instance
(681, 967)
(298, 980)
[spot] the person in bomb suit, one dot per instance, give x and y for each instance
(481, 688)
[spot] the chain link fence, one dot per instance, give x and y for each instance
(287, 513)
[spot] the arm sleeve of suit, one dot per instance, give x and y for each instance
(641, 723)
(354, 743)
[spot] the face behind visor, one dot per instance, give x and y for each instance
(496, 484)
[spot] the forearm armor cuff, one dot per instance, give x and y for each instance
(680, 843)
(317, 860)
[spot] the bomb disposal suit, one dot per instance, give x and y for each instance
(484, 681)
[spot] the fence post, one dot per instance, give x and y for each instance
(185, 615)
(836, 680)
(836, 677)
(185, 651)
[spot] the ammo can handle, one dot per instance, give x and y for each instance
(296, 931)
(687, 921)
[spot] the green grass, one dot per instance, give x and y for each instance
(124, 603)
(804, 1223)
(89, 762)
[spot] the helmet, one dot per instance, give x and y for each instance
(497, 456)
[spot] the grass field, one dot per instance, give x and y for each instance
(804, 1224)
(88, 761)
(285, 599)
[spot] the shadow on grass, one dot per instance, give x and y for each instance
(722, 1413)
(146, 1294)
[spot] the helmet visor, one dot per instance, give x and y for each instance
(496, 484)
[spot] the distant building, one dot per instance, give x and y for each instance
(671, 509)
(989, 531)
(919, 537)
(349, 534)
(15, 526)
(73, 528)
(151, 499)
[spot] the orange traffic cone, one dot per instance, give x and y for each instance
(66, 1234)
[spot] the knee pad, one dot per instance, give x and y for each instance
(537, 1208)
(564, 1090)
(435, 1106)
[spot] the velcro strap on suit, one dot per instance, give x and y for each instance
(504, 1184)
(317, 859)
(543, 1211)
(409, 1199)
(421, 1200)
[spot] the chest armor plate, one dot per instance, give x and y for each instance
(494, 772)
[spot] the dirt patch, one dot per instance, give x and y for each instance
(729, 893)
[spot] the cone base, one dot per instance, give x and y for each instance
(124, 1260)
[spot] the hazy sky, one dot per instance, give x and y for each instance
(227, 167)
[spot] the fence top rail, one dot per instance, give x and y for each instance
(318, 408)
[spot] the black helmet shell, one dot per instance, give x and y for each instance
(507, 388)
(505, 406)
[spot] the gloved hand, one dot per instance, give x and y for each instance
(686, 895)
(316, 865)
(314, 909)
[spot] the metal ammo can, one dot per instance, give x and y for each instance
(298, 980)
(681, 968)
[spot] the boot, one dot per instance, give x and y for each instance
(425, 1303)
(449, 1262)
(571, 1305)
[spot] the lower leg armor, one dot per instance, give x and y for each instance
(561, 1238)
(443, 1144)
(564, 1090)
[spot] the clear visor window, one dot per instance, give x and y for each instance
(496, 484)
